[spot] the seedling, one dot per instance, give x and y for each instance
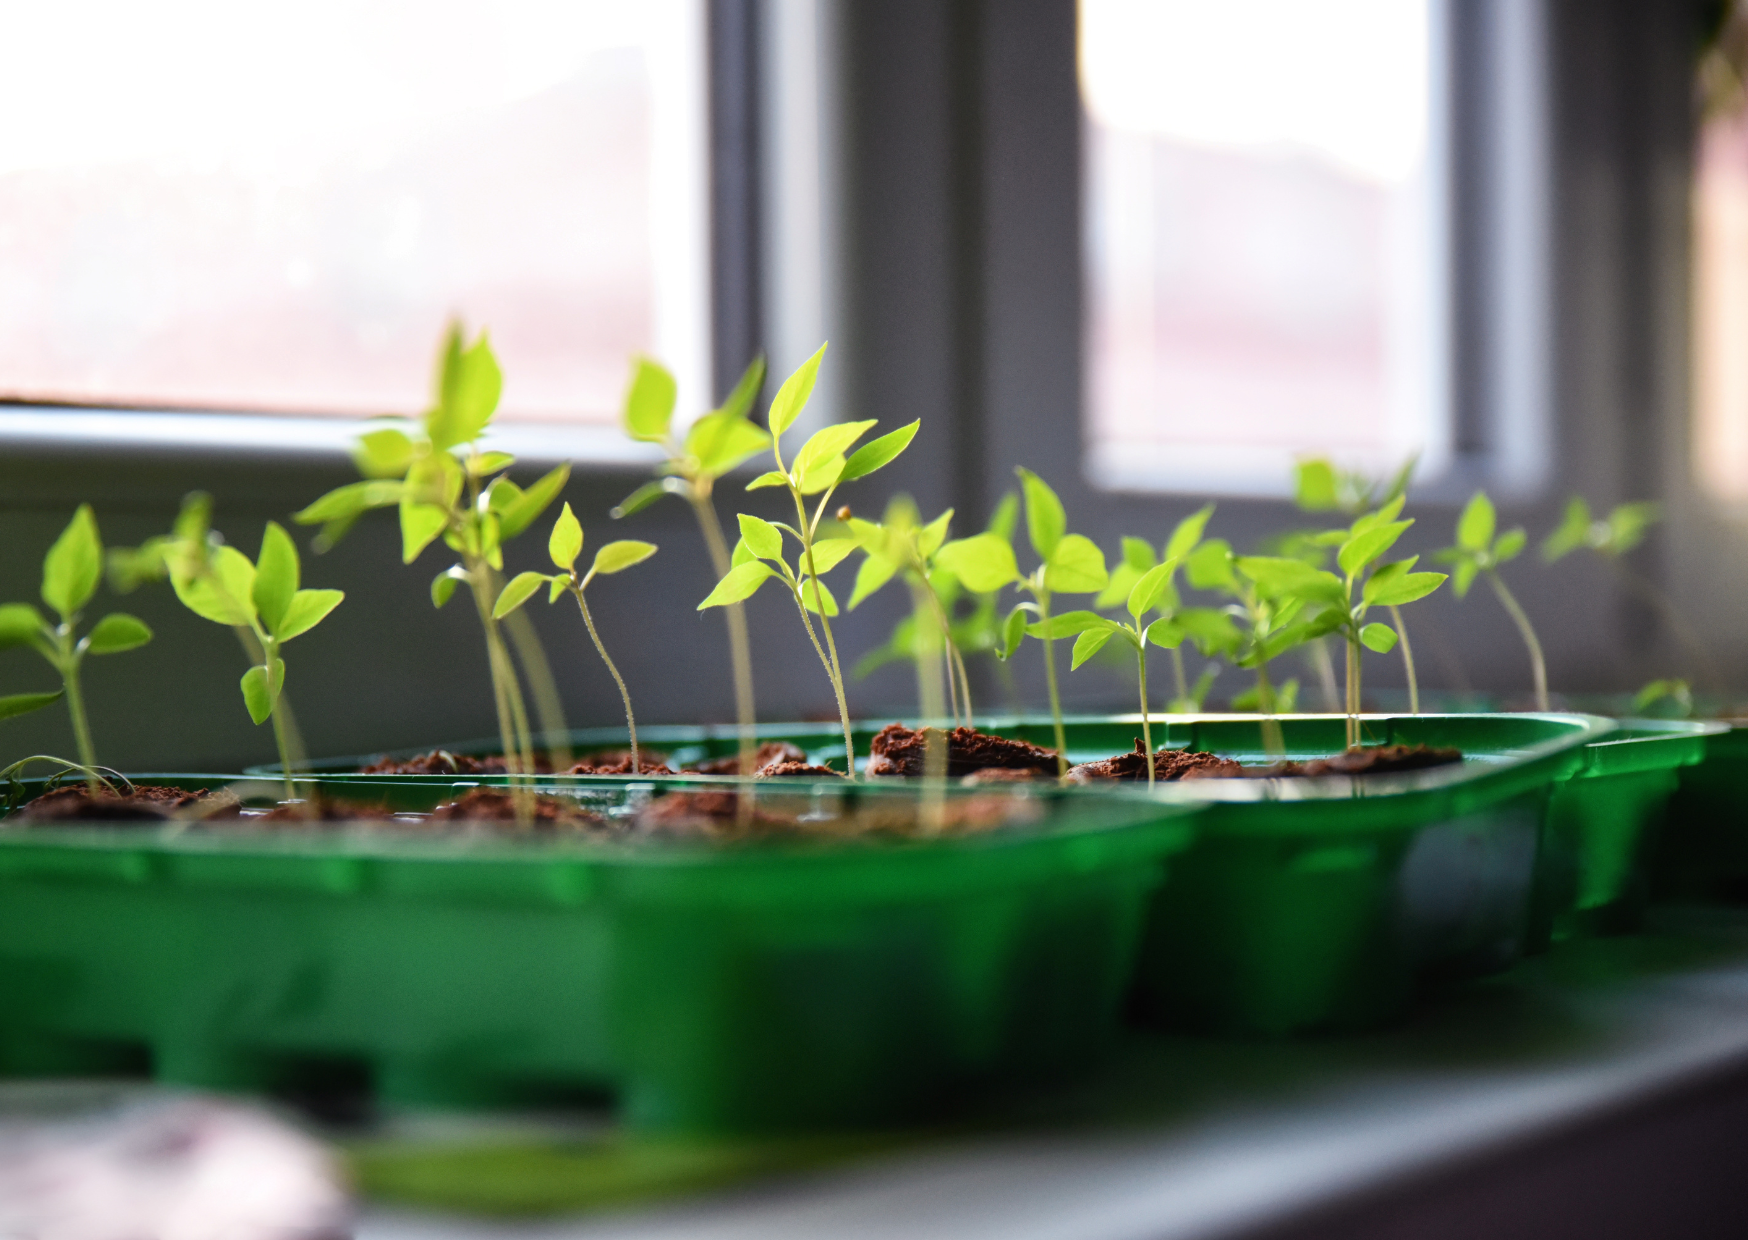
(900, 546)
(1478, 552)
(1138, 560)
(13, 776)
(1612, 537)
(819, 468)
(447, 487)
(1320, 486)
(1068, 564)
(564, 546)
(266, 598)
(713, 445)
(1678, 693)
(1330, 601)
(70, 573)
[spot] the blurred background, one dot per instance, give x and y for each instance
(1155, 250)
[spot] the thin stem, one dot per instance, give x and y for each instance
(279, 738)
(1325, 667)
(1353, 693)
(1538, 667)
(1043, 597)
(503, 678)
(964, 681)
(1177, 673)
(927, 644)
(739, 647)
(548, 706)
(955, 662)
(832, 668)
(1407, 660)
(1274, 741)
(624, 693)
(69, 665)
(1146, 724)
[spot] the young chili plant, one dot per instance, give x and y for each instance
(1339, 604)
(563, 546)
(712, 446)
(1476, 553)
(445, 486)
(1137, 560)
(70, 573)
(1068, 564)
(819, 468)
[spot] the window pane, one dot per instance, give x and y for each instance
(277, 206)
(1260, 258)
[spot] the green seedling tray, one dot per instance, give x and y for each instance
(1702, 851)
(702, 988)
(1603, 827)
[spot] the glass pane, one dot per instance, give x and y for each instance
(1720, 282)
(276, 206)
(1262, 277)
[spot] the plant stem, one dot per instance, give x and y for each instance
(1146, 724)
(1177, 672)
(1353, 693)
(1043, 597)
(832, 669)
(624, 693)
(955, 662)
(739, 648)
(503, 683)
(284, 746)
(76, 708)
(537, 669)
(1538, 667)
(1274, 742)
(1407, 660)
(1325, 667)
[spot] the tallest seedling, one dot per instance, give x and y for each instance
(819, 468)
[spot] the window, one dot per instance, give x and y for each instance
(1720, 282)
(1264, 266)
(275, 207)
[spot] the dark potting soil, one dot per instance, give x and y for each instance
(618, 762)
(898, 750)
(442, 762)
(768, 754)
(1168, 764)
(713, 814)
(497, 805)
(1370, 760)
(796, 770)
(325, 809)
(145, 803)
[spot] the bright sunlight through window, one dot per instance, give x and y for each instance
(275, 207)
(1263, 277)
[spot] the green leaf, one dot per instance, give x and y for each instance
(484, 464)
(565, 543)
(308, 609)
(1210, 566)
(616, 557)
(1166, 633)
(932, 535)
(276, 576)
(521, 588)
(74, 565)
(444, 583)
(1046, 523)
(773, 478)
(1075, 566)
(224, 593)
(117, 632)
(820, 475)
(828, 553)
(1378, 637)
(1463, 576)
(1068, 624)
(1475, 526)
(1188, 533)
(468, 387)
(742, 582)
(1138, 555)
(24, 703)
(792, 397)
(761, 537)
(641, 498)
(1509, 546)
(420, 524)
(1004, 518)
(874, 572)
(1147, 590)
(740, 401)
(1279, 577)
(1627, 525)
(813, 592)
(532, 502)
(349, 501)
(1368, 545)
(1213, 630)
(1091, 642)
(1117, 586)
(649, 402)
(1394, 585)
(983, 562)
(560, 582)
(1314, 486)
(826, 443)
(384, 453)
(20, 625)
(742, 554)
(719, 441)
(878, 453)
(261, 690)
(1572, 533)
(1013, 632)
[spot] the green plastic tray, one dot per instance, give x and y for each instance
(1603, 827)
(742, 988)
(1702, 852)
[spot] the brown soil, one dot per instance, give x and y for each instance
(712, 815)
(1371, 760)
(796, 770)
(146, 803)
(442, 762)
(497, 805)
(899, 750)
(768, 754)
(1168, 764)
(1004, 775)
(326, 810)
(618, 762)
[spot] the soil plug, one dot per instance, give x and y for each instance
(70, 573)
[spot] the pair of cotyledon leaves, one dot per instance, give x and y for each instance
(563, 546)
